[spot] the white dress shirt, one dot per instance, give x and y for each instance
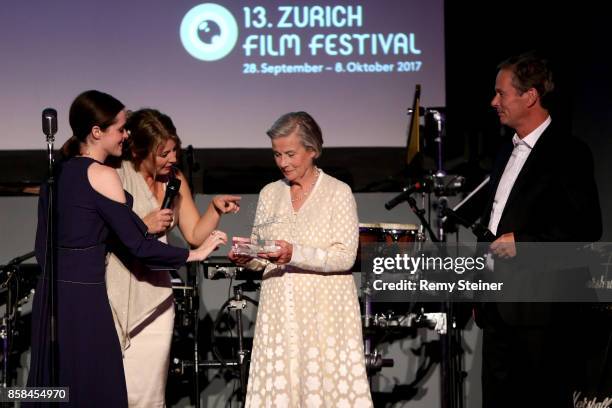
(522, 149)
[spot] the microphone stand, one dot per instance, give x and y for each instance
(438, 118)
(420, 213)
(192, 280)
(451, 372)
(450, 361)
(192, 167)
(195, 303)
(49, 268)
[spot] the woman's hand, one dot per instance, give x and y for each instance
(214, 240)
(281, 256)
(158, 221)
(226, 203)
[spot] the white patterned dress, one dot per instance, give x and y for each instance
(308, 349)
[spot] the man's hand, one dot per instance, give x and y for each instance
(504, 246)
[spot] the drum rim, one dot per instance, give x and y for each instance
(369, 225)
(394, 226)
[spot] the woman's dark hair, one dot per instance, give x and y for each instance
(89, 109)
(149, 129)
(306, 127)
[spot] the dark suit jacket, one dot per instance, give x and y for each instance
(554, 198)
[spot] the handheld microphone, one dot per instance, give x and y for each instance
(172, 189)
(403, 196)
(483, 233)
(49, 122)
(480, 231)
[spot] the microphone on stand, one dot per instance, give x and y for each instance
(172, 189)
(191, 163)
(403, 196)
(480, 231)
(49, 122)
(192, 167)
(49, 128)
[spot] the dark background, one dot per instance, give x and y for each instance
(575, 36)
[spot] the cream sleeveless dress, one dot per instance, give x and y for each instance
(143, 309)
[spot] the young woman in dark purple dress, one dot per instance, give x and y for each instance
(91, 211)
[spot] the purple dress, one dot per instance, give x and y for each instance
(88, 352)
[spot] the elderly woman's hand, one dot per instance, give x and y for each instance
(240, 260)
(281, 256)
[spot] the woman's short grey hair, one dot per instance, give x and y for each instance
(306, 127)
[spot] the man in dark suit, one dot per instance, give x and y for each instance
(542, 189)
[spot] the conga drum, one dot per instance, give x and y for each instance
(368, 233)
(384, 233)
(393, 233)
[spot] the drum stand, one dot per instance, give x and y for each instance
(373, 360)
(6, 328)
(10, 275)
(235, 304)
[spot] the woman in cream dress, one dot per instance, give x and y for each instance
(141, 299)
(307, 350)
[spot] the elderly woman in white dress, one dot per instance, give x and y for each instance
(308, 349)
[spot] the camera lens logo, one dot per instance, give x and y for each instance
(209, 32)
